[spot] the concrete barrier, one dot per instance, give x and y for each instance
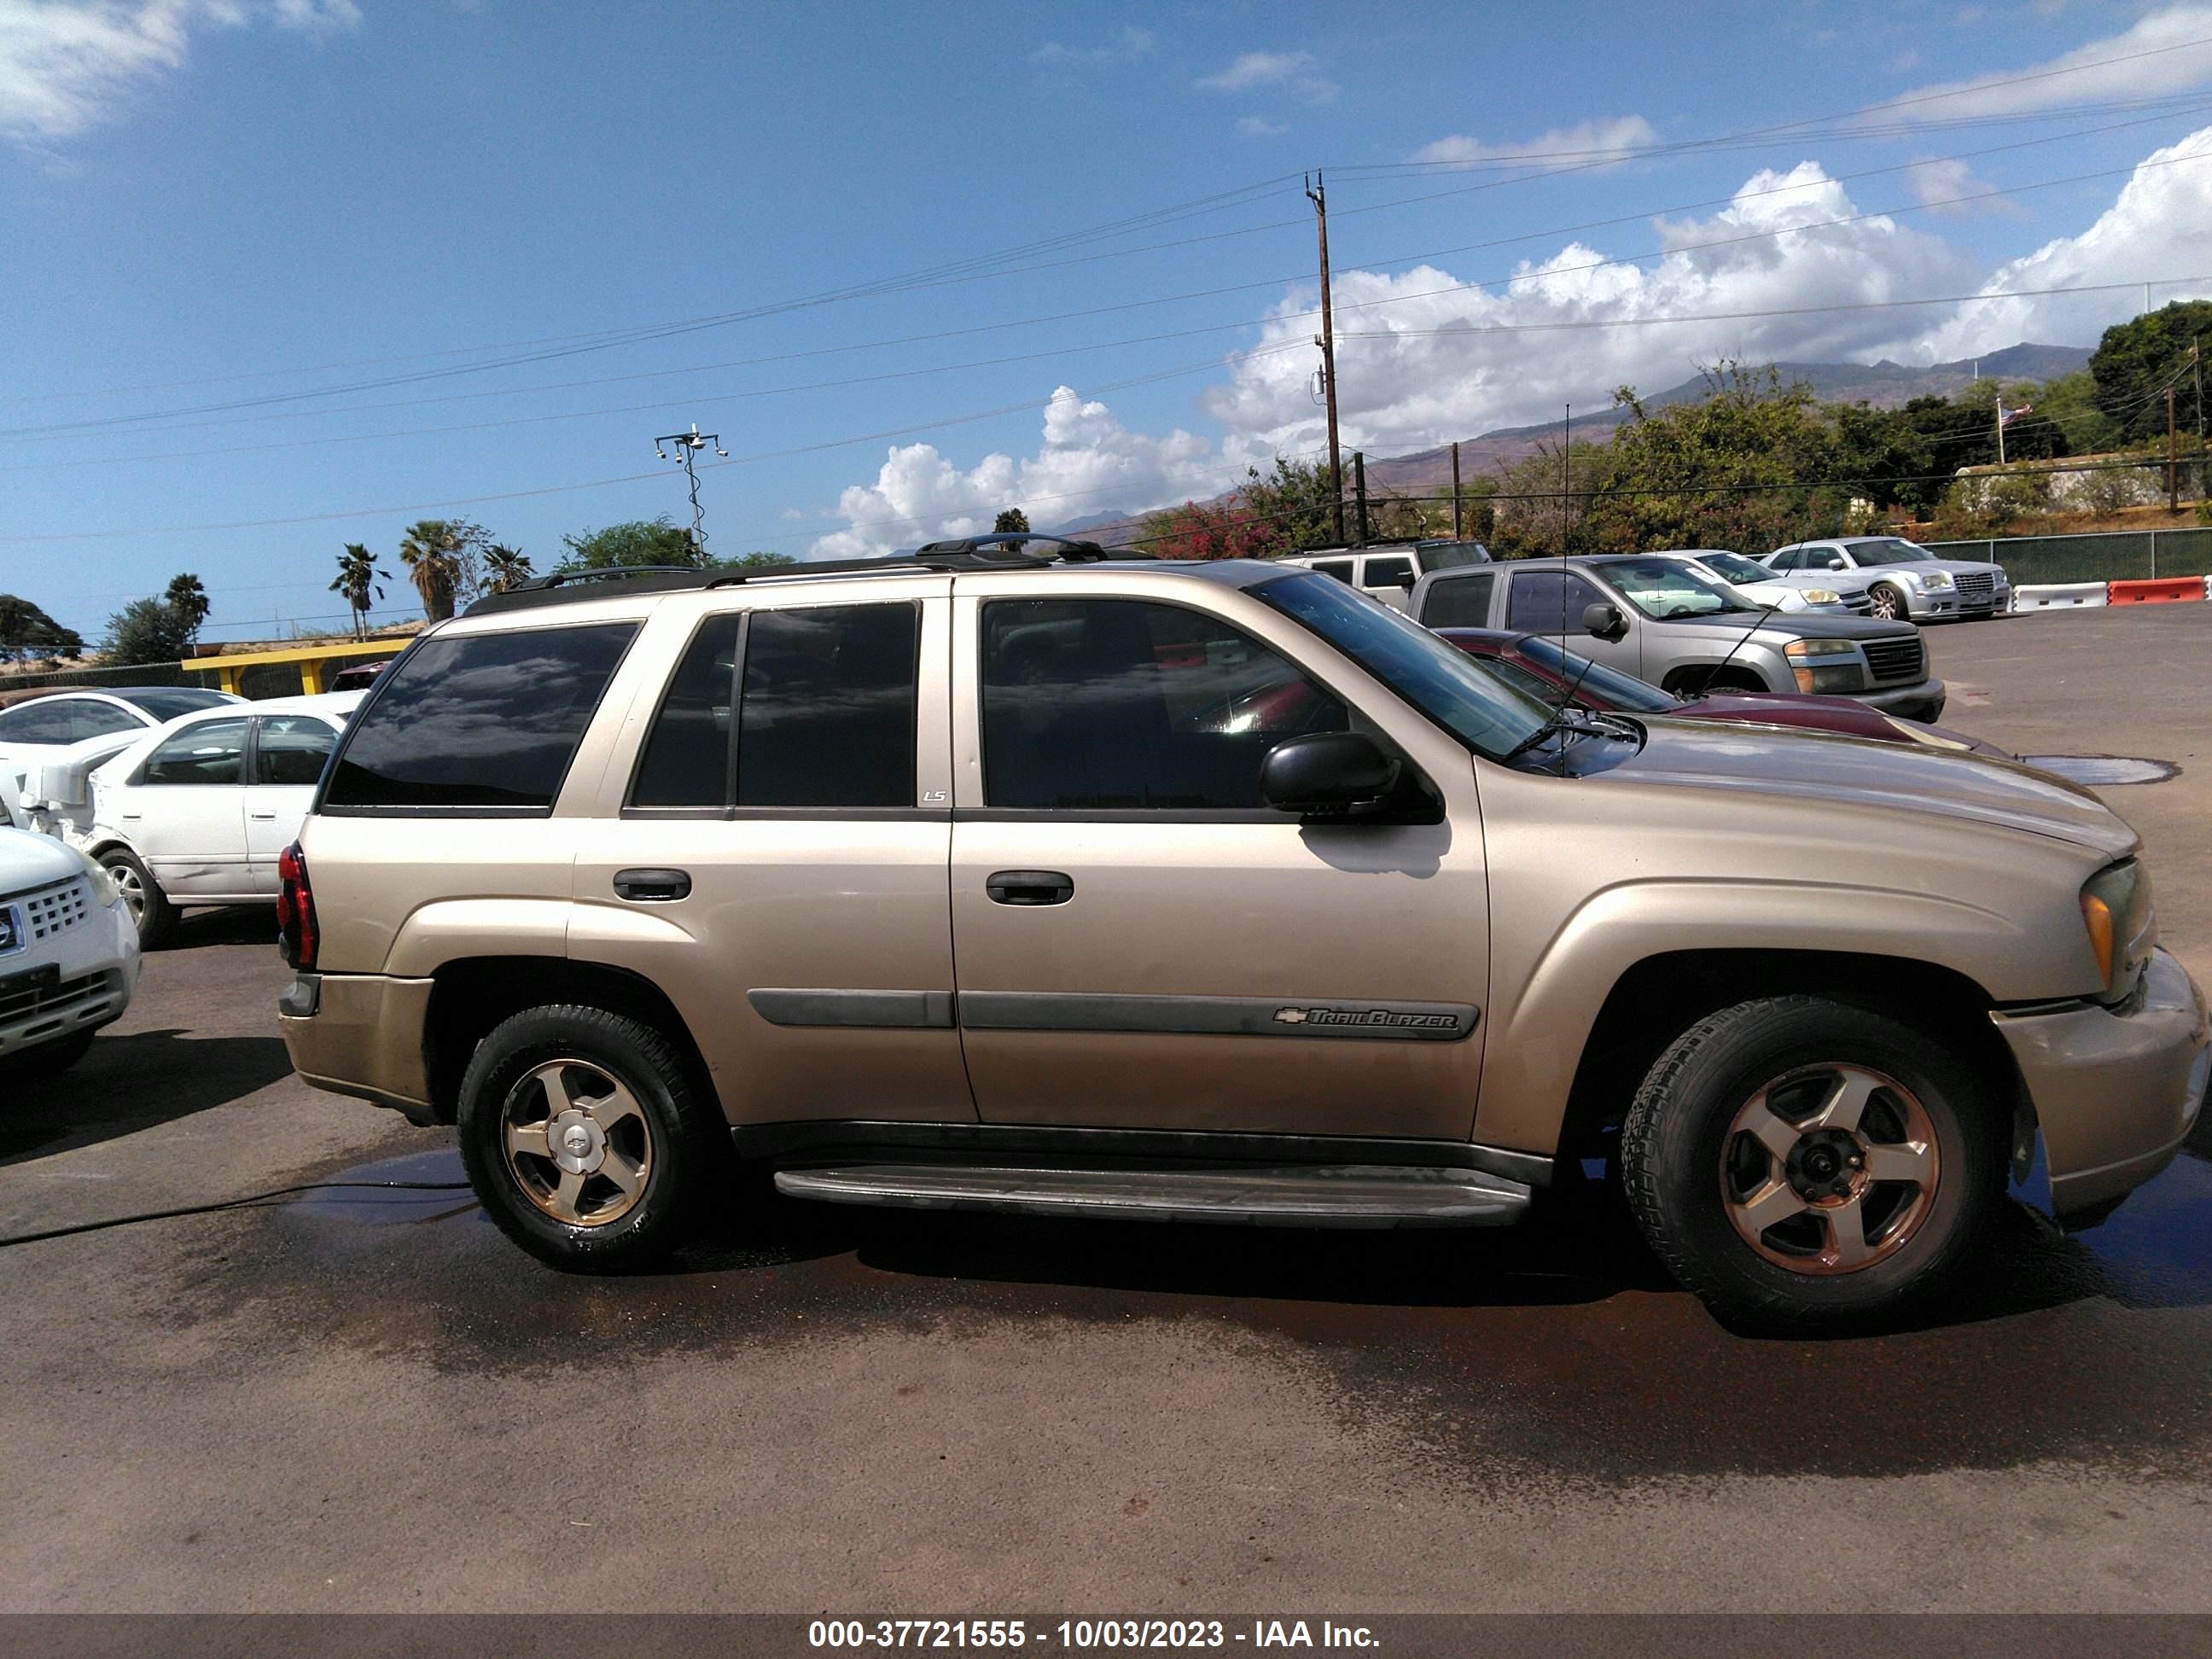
(2058, 596)
(2164, 590)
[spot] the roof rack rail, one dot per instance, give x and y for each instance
(968, 553)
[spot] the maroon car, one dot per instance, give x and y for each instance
(1538, 665)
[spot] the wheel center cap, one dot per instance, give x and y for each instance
(1821, 1163)
(577, 1144)
(1825, 1164)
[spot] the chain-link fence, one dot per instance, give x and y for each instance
(2115, 556)
(144, 673)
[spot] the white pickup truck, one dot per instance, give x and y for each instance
(69, 948)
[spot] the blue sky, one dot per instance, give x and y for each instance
(271, 266)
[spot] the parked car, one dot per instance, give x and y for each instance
(1536, 664)
(195, 813)
(1902, 579)
(1685, 633)
(1757, 586)
(615, 876)
(1387, 570)
(40, 728)
(68, 953)
(360, 675)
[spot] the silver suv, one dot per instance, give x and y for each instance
(1657, 617)
(1001, 877)
(1903, 579)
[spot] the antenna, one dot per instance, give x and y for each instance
(689, 444)
(1566, 477)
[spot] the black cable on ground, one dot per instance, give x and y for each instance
(274, 1193)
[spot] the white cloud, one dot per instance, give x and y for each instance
(1402, 383)
(1294, 70)
(1251, 126)
(1586, 141)
(1942, 185)
(1126, 47)
(2160, 226)
(66, 65)
(1088, 462)
(2176, 67)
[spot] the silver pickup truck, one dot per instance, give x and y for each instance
(1676, 629)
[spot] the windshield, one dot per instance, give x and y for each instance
(1452, 555)
(1605, 685)
(1735, 568)
(167, 705)
(1436, 676)
(1890, 550)
(1665, 590)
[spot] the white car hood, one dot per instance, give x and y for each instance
(34, 861)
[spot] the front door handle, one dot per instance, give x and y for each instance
(653, 886)
(1029, 887)
(263, 817)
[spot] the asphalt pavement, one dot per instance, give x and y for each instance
(370, 1400)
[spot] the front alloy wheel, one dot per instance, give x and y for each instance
(1887, 605)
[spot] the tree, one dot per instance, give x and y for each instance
(504, 568)
(431, 550)
(147, 631)
(356, 583)
(1012, 521)
(1296, 503)
(2135, 361)
(189, 600)
(1530, 518)
(26, 632)
(1879, 453)
(639, 542)
(1212, 529)
(759, 562)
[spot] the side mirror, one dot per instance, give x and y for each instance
(1838, 565)
(1329, 775)
(1605, 622)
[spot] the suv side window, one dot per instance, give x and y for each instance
(1461, 602)
(1340, 568)
(210, 752)
(482, 723)
(1396, 571)
(1111, 704)
(1790, 560)
(690, 755)
(1548, 601)
(826, 713)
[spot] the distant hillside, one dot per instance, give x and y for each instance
(1885, 385)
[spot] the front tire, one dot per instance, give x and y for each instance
(1888, 605)
(1804, 1165)
(587, 1140)
(149, 905)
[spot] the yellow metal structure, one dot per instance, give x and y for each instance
(312, 659)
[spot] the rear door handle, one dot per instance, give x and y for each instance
(1029, 887)
(653, 886)
(265, 818)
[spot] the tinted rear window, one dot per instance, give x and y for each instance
(167, 705)
(478, 722)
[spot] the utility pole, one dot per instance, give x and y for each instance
(1566, 450)
(1317, 194)
(2001, 461)
(1459, 529)
(2172, 476)
(689, 444)
(2197, 363)
(1359, 488)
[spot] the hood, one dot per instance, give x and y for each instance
(1821, 770)
(34, 861)
(1778, 629)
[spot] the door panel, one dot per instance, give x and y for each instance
(186, 814)
(1551, 602)
(1211, 965)
(289, 752)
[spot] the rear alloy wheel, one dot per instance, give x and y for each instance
(1806, 1165)
(1887, 604)
(150, 907)
(586, 1138)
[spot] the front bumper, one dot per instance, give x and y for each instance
(360, 1035)
(80, 983)
(1924, 702)
(2115, 1092)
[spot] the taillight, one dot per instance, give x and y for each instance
(296, 932)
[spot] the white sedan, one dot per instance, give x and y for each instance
(43, 728)
(195, 813)
(1762, 587)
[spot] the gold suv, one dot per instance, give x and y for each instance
(1007, 876)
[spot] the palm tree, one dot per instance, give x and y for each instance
(430, 550)
(504, 568)
(357, 581)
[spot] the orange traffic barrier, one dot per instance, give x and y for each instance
(2161, 592)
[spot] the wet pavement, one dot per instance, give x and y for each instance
(369, 1400)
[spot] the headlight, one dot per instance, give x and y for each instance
(1935, 578)
(104, 889)
(1797, 648)
(1823, 596)
(2004, 576)
(2115, 909)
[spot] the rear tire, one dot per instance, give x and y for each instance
(149, 905)
(587, 1140)
(1808, 1166)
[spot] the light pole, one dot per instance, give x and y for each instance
(689, 444)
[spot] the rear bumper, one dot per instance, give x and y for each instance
(1923, 702)
(360, 1035)
(2115, 1093)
